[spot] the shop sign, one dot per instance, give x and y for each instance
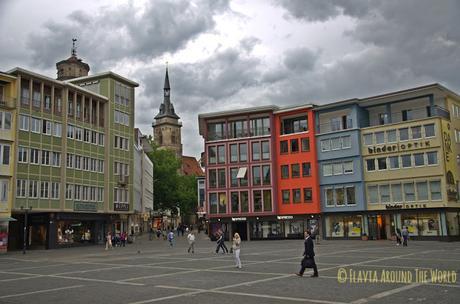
(238, 219)
(285, 217)
(117, 206)
(85, 206)
(146, 217)
(399, 147)
(405, 206)
(450, 163)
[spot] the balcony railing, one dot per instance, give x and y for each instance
(7, 102)
(413, 114)
(333, 126)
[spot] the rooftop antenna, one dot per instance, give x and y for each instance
(74, 48)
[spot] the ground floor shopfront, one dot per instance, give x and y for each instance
(265, 228)
(423, 224)
(57, 230)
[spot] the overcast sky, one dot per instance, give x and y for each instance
(231, 54)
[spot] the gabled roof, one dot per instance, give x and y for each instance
(190, 166)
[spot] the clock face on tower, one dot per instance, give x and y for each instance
(166, 92)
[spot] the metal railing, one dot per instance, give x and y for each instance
(332, 126)
(7, 102)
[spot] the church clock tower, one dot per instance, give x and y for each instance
(167, 127)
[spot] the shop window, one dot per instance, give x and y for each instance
(284, 147)
(69, 232)
(334, 226)
(453, 223)
(307, 195)
(296, 196)
(305, 143)
(410, 221)
(286, 194)
(257, 197)
(353, 225)
(284, 171)
(429, 224)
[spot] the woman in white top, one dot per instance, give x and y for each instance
(236, 249)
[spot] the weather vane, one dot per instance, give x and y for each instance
(74, 48)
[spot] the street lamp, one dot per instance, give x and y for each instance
(26, 211)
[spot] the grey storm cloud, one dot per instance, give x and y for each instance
(113, 34)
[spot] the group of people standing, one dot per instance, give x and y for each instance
(402, 236)
(236, 246)
(117, 240)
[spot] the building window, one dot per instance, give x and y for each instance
(5, 119)
(348, 167)
(243, 152)
(384, 191)
(372, 193)
(267, 200)
(221, 178)
(260, 126)
(305, 144)
(409, 192)
(346, 142)
(266, 175)
(45, 158)
(101, 139)
(265, 150)
(379, 138)
(435, 189)
(56, 159)
(294, 125)
(213, 203)
(339, 197)
(234, 202)
(22, 154)
(368, 139)
(21, 188)
(233, 153)
(383, 118)
(329, 194)
(296, 196)
(306, 169)
(212, 157)
(221, 154)
(33, 189)
(233, 177)
(422, 191)
(255, 146)
(284, 171)
(394, 162)
(23, 123)
(44, 189)
(429, 130)
(404, 134)
(256, 175)
(237, 129)
(284, 147)
(327, 169)
(337, 168)
(350, 195)
(4, 184)
(406, 161)
(432, 158)
(336, 143)
(216, 131)
(257, 197)
(5, 154)
(391, 136)
(286, 194)
(294, 145)
(325, 145)
(212, 178)
(70, 130)
(416, 132)
(57, 131)
(295, 170)
(34, 156)
(244, 195)
(382, 163)
(396, 193)
(307, 195)
(35, 125)
(406, 115)
(419, 159)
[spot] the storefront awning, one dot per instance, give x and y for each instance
(7, 219)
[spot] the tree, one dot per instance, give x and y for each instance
(187, 193)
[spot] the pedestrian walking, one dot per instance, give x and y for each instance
(398, 236)
(171, 238)
(191, 242)
(308, 260)
(108, 241)
(405, 235)
(221, 244)
(123, 238)
(236, 246)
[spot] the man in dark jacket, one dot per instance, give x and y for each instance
(308, 256)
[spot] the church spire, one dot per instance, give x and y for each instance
(167, 78)
(167, 108)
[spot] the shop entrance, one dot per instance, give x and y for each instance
(377, 227)
(241, 228)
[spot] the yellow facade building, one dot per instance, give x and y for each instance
(8, 94)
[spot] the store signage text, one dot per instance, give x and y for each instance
(399, 147)
(405, 206)
(238, 219)
(117, 206)
(85, 206)
(285, 217)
